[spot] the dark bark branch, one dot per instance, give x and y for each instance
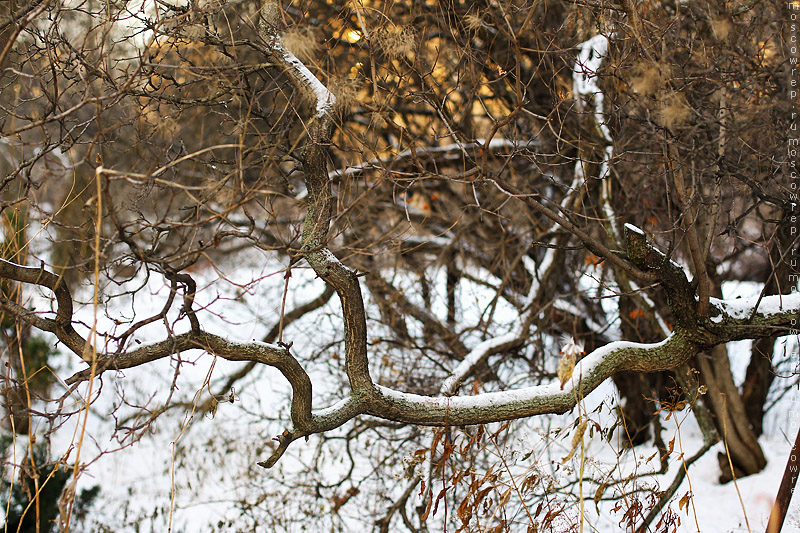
(62, 324)
(724, 326)
(786, 489)
(320, 204)
(272, 335)
(592, 243)
(680, 295)
(268, 354)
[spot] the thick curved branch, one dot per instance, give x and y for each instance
(269, 354)
(730, 320)
(589, 373)
(320, 203)
(277, 356)
(62, 324)
(734, 320)
(274, 355)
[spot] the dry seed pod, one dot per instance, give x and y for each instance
(577, 438)
(570, 352)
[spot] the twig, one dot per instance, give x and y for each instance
(786, 489)
(673, 488)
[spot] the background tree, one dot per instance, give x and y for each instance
(471, 180)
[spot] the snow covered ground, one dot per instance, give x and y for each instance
(192, 470)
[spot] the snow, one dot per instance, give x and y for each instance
(143, 467)
(571, 346)
(713, 507)
(583, 368)
(332, 409)
(333, 260)
(631, 227)
(584, 75)
(472, 359)
(378, 163)
(741, 308)
(590, 57)
(216, 457)
(488, 399)
(325, 100)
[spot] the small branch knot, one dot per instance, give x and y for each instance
(285, 346)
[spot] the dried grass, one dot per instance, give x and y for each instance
(302, 42)
(649, 78)
(674, 110)
(396, 41)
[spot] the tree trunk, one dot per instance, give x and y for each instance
(759, 377)
(635, 412)
(730, 418)
(637, 390)
(760, 371)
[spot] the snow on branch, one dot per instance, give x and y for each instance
(474, 357)
(422, 151)
(584, 78)
(588, 374)
(324, 99)
(754, 308)
(774, 315)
